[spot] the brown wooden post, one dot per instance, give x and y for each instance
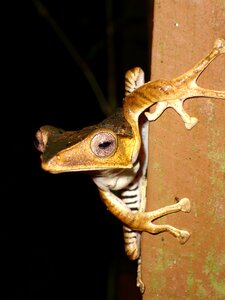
(186, 163)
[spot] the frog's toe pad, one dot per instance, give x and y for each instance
(141, 285)
(151, 116)
(185, 205)
(193, 121)
(220, 45)
(184, 236)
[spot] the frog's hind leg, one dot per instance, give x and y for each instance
(135, 198)
(132, 242)
(131, 197)
(134, 78)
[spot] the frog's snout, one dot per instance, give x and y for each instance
(40, 141)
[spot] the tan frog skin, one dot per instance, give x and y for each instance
(114, 152)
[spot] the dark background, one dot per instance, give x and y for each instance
(57, 238)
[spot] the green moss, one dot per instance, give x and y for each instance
(214, 266)
(156, 166)
(217, 157)
(201, 291)
(190, 280)
(222, 167)
(219, 286)
(157, 284)
(164, 260)
(211, 265)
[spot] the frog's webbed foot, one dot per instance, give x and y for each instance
(185, 86)
(182, 235)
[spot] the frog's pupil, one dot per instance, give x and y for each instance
(104, 145)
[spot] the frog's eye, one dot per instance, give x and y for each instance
(103, 144)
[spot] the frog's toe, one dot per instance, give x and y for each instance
(193, 121)
(220, 45)
(141, 285)
(184, 236)
(185, 205)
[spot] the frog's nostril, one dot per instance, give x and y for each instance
(38, 142)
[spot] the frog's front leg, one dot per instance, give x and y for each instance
(172, 93)
(142, 221)
(185, 86)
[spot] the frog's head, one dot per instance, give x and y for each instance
(108, 145)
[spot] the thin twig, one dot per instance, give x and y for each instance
(112, 98)
(104, 105)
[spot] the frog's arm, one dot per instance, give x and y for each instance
(143, 221)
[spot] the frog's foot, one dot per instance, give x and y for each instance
(140, 283)
(185, 86)
(182, 235)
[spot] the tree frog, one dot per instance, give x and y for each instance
(114, 152)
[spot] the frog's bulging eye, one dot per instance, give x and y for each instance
(103, 144)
